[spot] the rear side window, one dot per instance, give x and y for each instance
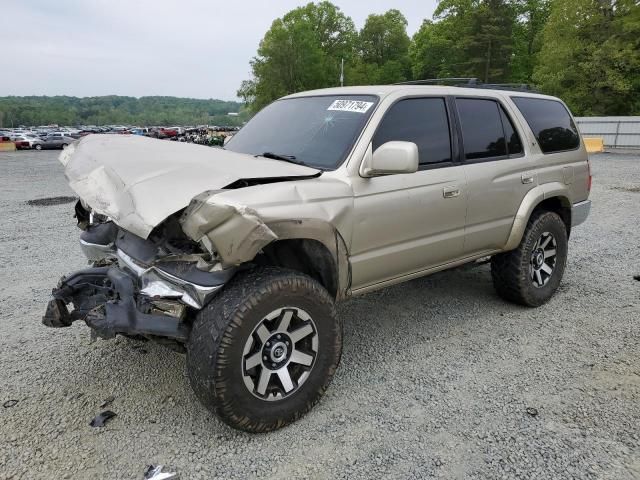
(422, 121)
(550, 122)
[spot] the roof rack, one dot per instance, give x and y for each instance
(471, 82)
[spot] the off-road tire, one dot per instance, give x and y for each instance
(217, 340)
(511, 271)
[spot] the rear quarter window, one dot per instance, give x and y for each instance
(550, 122)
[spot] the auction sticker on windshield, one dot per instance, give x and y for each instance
(356, 106)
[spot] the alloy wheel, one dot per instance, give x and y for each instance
(280, 353)
(543, 259)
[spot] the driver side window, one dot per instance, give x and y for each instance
(423, 121)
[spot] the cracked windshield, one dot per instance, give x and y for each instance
(314, 131)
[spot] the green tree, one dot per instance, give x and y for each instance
(300, 51)
(489, 44)
(435, 50)
(527, 33)
(591, 56)
(469, 38)
(63, 110)
(383, 51)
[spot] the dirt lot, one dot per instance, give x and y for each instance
(435, 382)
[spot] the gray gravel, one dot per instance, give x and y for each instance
(435, 381)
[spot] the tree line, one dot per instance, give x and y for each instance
(585, 51)
(115, 110)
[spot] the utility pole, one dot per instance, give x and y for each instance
(342, 72)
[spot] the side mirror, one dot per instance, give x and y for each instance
(391, 158)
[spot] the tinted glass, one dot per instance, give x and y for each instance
(482, 133)
(317, 131)
(550, 122)
(514, 145)
(422, 121)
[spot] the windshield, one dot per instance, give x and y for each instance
(314, 131)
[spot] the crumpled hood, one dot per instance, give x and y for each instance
(139, 181)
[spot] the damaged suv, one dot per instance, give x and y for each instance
(237, 255)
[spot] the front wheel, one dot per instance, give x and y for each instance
(264, 351)
(38, 147)
(530, 274)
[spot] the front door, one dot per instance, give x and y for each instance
(407, 223)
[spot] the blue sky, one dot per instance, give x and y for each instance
(188, 48)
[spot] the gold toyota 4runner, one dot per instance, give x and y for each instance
(237, 255)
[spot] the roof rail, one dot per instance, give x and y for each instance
(442, 81)
(518, 87)
(471, 83)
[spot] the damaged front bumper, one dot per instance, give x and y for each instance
(105, 298)
(131, 296)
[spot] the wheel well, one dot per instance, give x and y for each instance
(559, 205)
(304, 255)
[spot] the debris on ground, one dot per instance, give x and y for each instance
(140, 349)
(107, 401)
(49, 201)
(636, 277)
(101, 419)
(532, 411)
(10, 403)
(154, 472)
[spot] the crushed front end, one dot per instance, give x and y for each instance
(145, 287)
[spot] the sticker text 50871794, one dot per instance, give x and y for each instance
(356, 106)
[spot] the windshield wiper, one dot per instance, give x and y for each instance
(284, 158)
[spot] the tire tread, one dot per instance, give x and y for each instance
(215, 329)
(510, 270)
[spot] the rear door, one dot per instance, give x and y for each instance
(499, 174)
(407, 223)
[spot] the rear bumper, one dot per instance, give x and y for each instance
(580, 212)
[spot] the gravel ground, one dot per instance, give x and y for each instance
(436, 377)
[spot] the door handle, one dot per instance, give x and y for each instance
(451, 191)
(527, 177)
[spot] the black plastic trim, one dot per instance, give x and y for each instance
(120, 315)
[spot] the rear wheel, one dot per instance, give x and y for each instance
(263, 352)
(530, 274)
(64, 145)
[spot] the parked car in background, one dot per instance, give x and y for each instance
(140, 131)
(35, 142)
(22, 143)
(167, 132)
(53, 142)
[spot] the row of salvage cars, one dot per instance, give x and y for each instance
(32, 142)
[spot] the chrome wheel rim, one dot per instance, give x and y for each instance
(543, 259)
(280, 353)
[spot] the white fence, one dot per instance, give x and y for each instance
(617, 132)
